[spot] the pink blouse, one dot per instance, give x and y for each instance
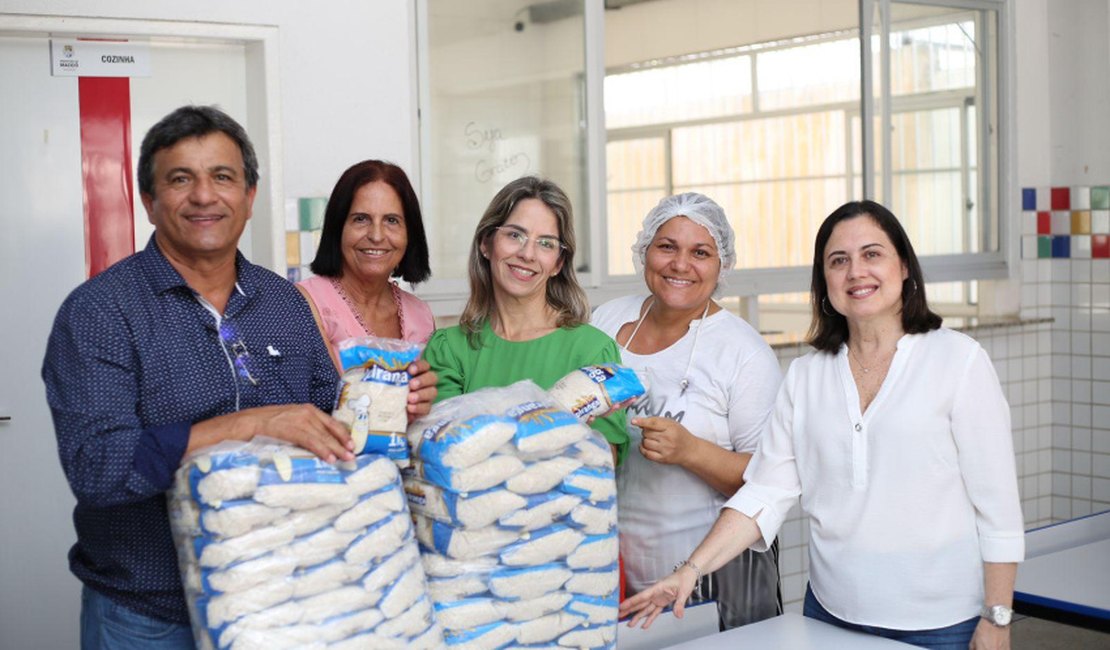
(340, 322)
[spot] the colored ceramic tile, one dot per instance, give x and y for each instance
(1044, 247)
(1044, 223)
(1061, 222)
(1080, 222)
(1029, 199)
(1061, 246)
(1044, 199)
(1080, 198)
(1100, 222)
(1061, 198)
(1029, 247)
(292, 214)
(308, 247)
(292, 249)
(1028, 223)
(1100, 246)
(312, 213)
(1081, 247)
(1100, 198)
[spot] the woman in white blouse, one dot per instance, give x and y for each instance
(896, 434)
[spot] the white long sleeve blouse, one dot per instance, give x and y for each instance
(905, 501)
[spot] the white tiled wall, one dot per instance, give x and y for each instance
(1056, 376)
(1076, 294)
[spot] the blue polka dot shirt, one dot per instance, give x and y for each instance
(134, 359)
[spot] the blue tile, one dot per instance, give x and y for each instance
(1028, 198)
(1061, 246)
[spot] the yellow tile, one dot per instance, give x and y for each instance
(1081, 222)
(292, 248)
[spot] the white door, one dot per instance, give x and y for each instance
(41, 261)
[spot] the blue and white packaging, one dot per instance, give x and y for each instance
(374, 391)
(595, 390)
(312, 555)
(496, 540)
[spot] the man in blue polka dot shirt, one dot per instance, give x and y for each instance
(180, 346)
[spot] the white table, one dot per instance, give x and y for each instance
(697, 621)
(1066, 573)
(790, 630)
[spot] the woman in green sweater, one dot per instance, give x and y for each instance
(526, 315)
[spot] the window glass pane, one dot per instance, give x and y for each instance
(634, 164)
(679, 92)
(928, 186)
(934, 57)
(926, 139)
(792, 146)
(949, 294)
(626, 210)
(784, 317)
(636, 181)
(821, 73)
(502, 102)
(941, 106)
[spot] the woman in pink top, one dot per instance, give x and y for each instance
(372, 233)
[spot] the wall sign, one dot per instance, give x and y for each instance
(96, 58)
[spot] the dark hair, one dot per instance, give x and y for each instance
(564, 294)
(193, 122)
(414, 266)
(829, 329)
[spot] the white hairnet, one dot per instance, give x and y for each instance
(698, 208)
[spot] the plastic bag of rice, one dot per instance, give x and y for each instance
(279, 549)
(594, 391)
(511, 495)
(374, 392)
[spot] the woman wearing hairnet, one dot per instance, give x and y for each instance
(712, 386)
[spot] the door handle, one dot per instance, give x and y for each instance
(5, 418)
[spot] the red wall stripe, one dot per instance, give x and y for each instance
(105, 107)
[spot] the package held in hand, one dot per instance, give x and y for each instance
(374, 393)
(594, 391)
(279, 549)
(515, 518)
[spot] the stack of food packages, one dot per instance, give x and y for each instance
(279, 549)
(515, 508)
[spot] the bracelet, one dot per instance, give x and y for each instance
(697, 571)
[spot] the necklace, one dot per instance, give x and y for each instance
(394, 289)
(685, 383)
(859, 364)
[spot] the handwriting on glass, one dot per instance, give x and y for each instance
(479, 138)
(487, 140)
(519, 163)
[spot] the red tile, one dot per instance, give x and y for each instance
(1061, 198)
(1100, 246)
(1044, 223)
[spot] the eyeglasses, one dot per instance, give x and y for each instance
(240, 355)
(514, 237)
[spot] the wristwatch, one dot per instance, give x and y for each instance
(998, 615)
